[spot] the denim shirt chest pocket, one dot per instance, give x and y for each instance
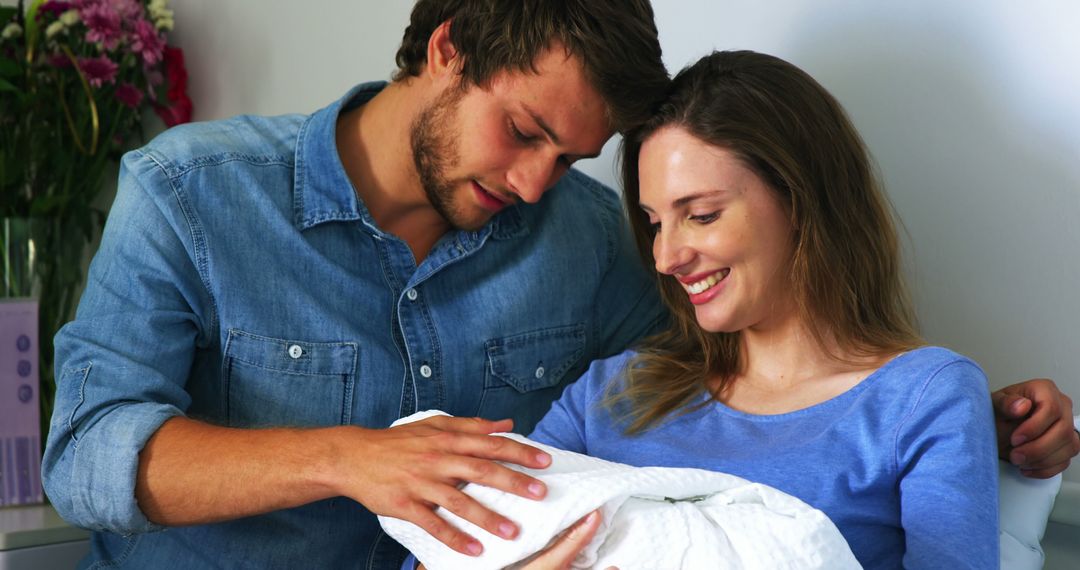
(526, 372)
(281, 382)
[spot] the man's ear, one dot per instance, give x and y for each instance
(442, 56)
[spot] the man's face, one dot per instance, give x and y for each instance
(478, 150)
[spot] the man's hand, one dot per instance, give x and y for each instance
(408, 471)
(1035, 428)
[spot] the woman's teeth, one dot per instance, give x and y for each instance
(706, 283)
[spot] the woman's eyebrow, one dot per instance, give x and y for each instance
(688, 199)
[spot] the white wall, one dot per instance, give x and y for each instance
(971, 109)
(252, 56)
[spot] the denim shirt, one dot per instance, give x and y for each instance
(241, 282)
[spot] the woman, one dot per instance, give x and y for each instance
(792, 359)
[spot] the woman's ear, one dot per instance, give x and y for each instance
(442, 56)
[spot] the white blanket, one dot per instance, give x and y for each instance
(653, 517)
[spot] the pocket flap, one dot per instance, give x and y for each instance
(292, 356)
(537, 359)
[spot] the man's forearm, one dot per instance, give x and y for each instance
(195, 473)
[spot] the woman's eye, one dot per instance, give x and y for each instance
(705, 218)
(654, 227)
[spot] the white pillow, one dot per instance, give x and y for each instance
(1025, 506)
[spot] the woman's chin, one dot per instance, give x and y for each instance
(713, 324)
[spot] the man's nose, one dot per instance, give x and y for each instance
(534, 174)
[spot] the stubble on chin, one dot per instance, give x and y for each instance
(435, 151)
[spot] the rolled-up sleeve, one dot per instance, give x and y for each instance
(123, 362)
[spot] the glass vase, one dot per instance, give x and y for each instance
(18, 257)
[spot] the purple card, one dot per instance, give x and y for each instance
(20, 430)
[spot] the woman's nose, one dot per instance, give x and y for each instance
(670, 252)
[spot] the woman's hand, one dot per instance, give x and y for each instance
(561, 554)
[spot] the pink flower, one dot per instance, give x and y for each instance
(129, 95)
(102, 23)
(179, 108)
(128, 9)
(98, 70)
(146, 42)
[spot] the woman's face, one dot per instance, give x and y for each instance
(721, 231)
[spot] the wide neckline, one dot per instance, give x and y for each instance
(837, 400)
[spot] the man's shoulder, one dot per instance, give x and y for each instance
(577, 187)
(581, 202)
(244, 138)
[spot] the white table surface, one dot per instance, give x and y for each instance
(35, 525)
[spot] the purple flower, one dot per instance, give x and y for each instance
(58, 60)
(153, 78)
(102, 23)
(146, 42)
(129, 95)
(98, 70)
(54, 7)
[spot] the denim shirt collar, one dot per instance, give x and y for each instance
(324, 193)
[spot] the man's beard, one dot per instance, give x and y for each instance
(435, 150)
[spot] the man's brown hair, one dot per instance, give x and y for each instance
(616, 41)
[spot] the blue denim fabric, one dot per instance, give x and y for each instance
(240, 281)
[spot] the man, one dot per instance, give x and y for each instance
(271, 294)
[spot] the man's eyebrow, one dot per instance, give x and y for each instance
(543, 124)
(551, 132)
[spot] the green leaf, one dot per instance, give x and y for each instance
(31, 30)
(45, 205)
(9, 67)
(7, 14)
(6, 85)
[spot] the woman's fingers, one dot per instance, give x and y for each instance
(563, 552)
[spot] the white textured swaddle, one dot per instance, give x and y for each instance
(653, 517)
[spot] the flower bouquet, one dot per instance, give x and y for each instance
(76, 77)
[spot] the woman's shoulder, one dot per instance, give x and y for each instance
(931, 362)
(605, 373)
(931, 378)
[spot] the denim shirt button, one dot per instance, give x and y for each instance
(425, 371)
(411, 294)
(295, 351)
(539, 372)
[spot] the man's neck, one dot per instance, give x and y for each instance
(374, 145)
